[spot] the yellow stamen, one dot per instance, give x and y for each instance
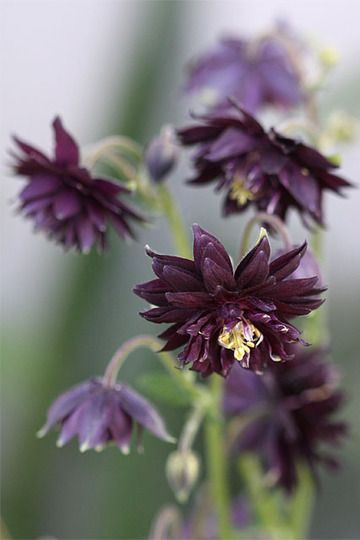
(236, 340)
(239, 192)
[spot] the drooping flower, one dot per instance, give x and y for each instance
(220, 315)
(288, 414)
(99, 414)
(254, 72)
(257, 168)
(65, 201)
(162, 154)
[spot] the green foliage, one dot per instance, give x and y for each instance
(161, 387)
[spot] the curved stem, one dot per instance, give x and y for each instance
(273, 221)
(216, 461)
(175, 221)
(191, 428)
(183, 379)
(167, 524)
(98, 150)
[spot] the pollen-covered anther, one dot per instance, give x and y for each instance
(239, 192)
(243, 337)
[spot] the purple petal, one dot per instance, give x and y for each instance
(66, 149)
(143, 413)
(40, 185)
(66, 204)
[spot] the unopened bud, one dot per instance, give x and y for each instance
(162, 154)
(329, 57)
(182, 471)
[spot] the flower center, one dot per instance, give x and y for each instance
(242, 337)
(239, 192)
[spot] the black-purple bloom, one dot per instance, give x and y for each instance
(288, 414)
(99, 414)
(220, 315)
(162, 154)
(259, 168)
(65, 201)
(254, 72)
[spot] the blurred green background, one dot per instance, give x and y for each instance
(81, 308)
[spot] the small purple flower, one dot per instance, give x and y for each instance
(254, 72)
(259, 168)
(162, 154)
(65, 201)
(220, 316)
(291, 410)
(98, 414)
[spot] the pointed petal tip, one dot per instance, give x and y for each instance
(84, 447)
(42, 432)
(125, 449)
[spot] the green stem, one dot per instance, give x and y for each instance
(175, 221)
(259, 219)
(183, 379)
(216, 462)
(302, 504)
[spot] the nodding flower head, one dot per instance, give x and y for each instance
(260, 169)
(65, 201)
(99, 414)
(220, 315)
(256, 73)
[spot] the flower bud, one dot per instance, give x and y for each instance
(182, 471)
(329, 57)
(161, 154)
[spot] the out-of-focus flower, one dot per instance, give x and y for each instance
(259, 168)
(255, 72)
(162, 154)
(65, 201)
(288, 414)
(220, 315)
(98, 414)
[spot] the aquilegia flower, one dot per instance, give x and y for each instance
(291, 410)
(65, 201)
(220, 315)
(99, 414)
(259, 168)
(254, 72)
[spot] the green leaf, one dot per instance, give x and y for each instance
(162, 387)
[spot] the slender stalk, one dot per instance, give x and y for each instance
(302, 504)
(273, 221)
(175, 221)
(183, 379)
(191, 428)
(216, 462)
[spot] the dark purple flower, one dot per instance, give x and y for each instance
(98, 414)
(162, 154)
(259, 168)
(254, 72)
(291, 410)
(65, 201)
(220, 315)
